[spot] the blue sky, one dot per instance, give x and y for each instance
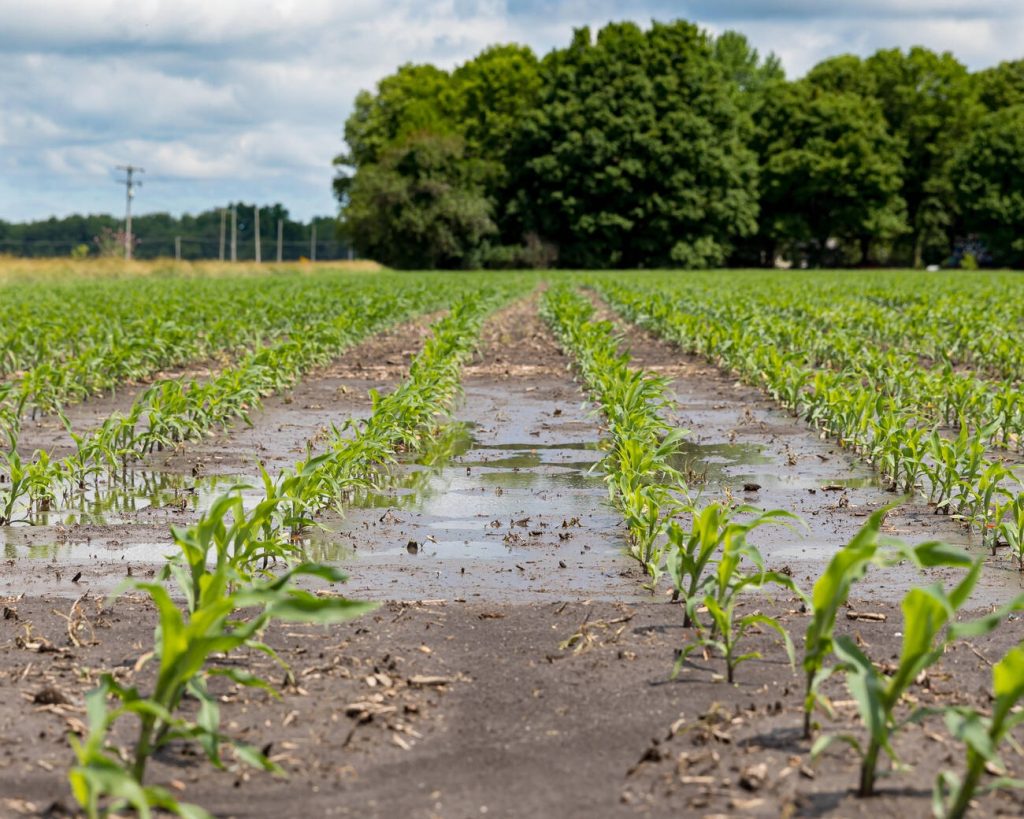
(245, 99)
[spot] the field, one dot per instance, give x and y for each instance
(523, 544)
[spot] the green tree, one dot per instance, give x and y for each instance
(830, 175)
(990, 184)
(415, 98)
(1001, 86)
(743, 65)
(846, 73)
(491, 94)
(929, 102)
(635, 155)
(421, 206)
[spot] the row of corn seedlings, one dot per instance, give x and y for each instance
(708, 553)
(886, 429)
(223, 569)
(642, 482)
(62, 343)
(174, 411)
(704, 548)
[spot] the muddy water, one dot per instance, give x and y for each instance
(512, 509)
(519, 513)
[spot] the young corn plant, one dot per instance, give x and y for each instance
(693, 553)
(868, 548)
(982, 736)
(14, 488)
(929, 626)
(1011, 528)
(731, 580)
(215, 586)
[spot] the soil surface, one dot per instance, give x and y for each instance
(516, 666)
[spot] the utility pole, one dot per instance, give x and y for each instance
(234, 233)
(223, 218)
(256, 232)
(280, 236)
(129, 193)
(312, 243)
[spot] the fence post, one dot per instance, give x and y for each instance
(177, 248)
(312, 244)
(280, 234)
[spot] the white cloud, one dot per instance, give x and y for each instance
(247, 98)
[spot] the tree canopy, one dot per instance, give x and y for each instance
(666, 146)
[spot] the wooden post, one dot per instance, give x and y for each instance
(280, 236)
(177, 248)
(234, 233)
(312, 243)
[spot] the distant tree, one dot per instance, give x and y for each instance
(636, 154)
(1001, 86)
(930, 105)
(989, 174)
(422, 205)
(491, 94)
(414, 99)
(846, 74)
(743, 65)
(831, 173)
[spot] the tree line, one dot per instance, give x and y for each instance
(155, 234)
(669, 147)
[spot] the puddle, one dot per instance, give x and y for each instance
(736, 464)
(138, 492)
(494, 502)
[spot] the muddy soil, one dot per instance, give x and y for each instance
(516, 667)
(469, 709)
(742, 445)
(519, 513)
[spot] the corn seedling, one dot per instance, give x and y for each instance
(868, 548)
(928, 627)
(694, 553)
(730, 580)
(983, 735)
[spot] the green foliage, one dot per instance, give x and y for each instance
(642, 483)
(719, 565)
(635, 154)
(926, 612)
(868, 548)
(989, 177)
(422, 205)
(635, 148)
(982, 736)
(831, 172)
(224, 567)
(694, 553)
(742, 64)
(1001, 86)
(929, 103)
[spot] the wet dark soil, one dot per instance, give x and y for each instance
(516, 667)
(469, 709)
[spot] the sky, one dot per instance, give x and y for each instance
(245, 100)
